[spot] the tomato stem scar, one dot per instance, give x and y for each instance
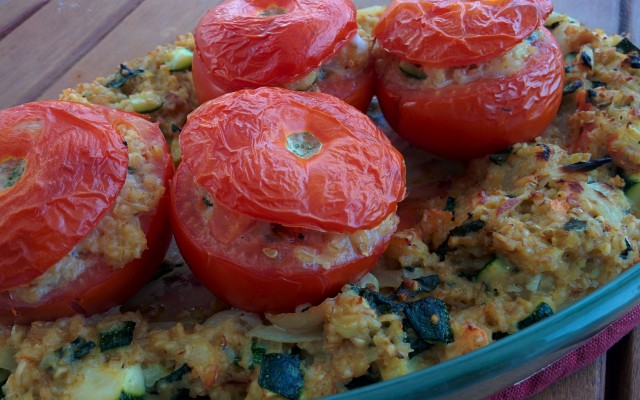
(303, 144)
(11, 171)
(271, 11)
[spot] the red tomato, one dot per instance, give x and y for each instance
(101, 287)
(488, 115)
(252, 43)
(237, 147)
(57, 200)
(275, 189)
(356, 91)
(449, 33)
(252, 264)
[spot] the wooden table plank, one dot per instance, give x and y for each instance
(71, 28)
(587, 383)
(15, 12)
(134, 37)
(624, 373)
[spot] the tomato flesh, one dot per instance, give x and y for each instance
(102, 286)
(463, 121)
(260, 266)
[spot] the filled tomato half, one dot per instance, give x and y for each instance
(464, 109)
(283, 197)
(85, 222)
(302, 45)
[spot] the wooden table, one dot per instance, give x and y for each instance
(48, 45)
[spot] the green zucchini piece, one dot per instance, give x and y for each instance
(468, 227)
(181, 59)
(450, 205)
(499, 335)
(494, 273)
(429, 318)
(4, 376)
(632, 190)
(118, 335)
(372, 376)
(75, 350)
(281, 374)
(133, 384)
(257, 352)
(501, 157)
(542, 311)
(379, 302)
(106, 382)
(145, 102)
(413, 71)
(625, 46)
(417, 345)
(175, 376)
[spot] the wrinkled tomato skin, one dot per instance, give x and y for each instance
(236, 148)
(241, 49)
(467, 121)
(253, 287)
(203, 84)
(106, 287)
(46, 213)
(448, 33)
(356, 91)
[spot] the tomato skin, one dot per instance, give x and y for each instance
(235, 146)
(485, 116)
(66, 205)
(256, 288)
(105, 287)
(240, 49)
(354, 90)
(203, 83)
(447, 33)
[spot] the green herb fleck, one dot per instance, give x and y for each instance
(572, 87)
(574, 224)
(123, 76)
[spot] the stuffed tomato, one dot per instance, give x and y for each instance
(304, 45)
(283, 197)
(84, 222)
(462, 78)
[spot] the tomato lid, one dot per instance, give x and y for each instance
(250, 43)
(63, 165)
(294, 158)
(447, 33)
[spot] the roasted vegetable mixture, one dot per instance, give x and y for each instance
(484, 250)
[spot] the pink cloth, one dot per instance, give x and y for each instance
(578, 358)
